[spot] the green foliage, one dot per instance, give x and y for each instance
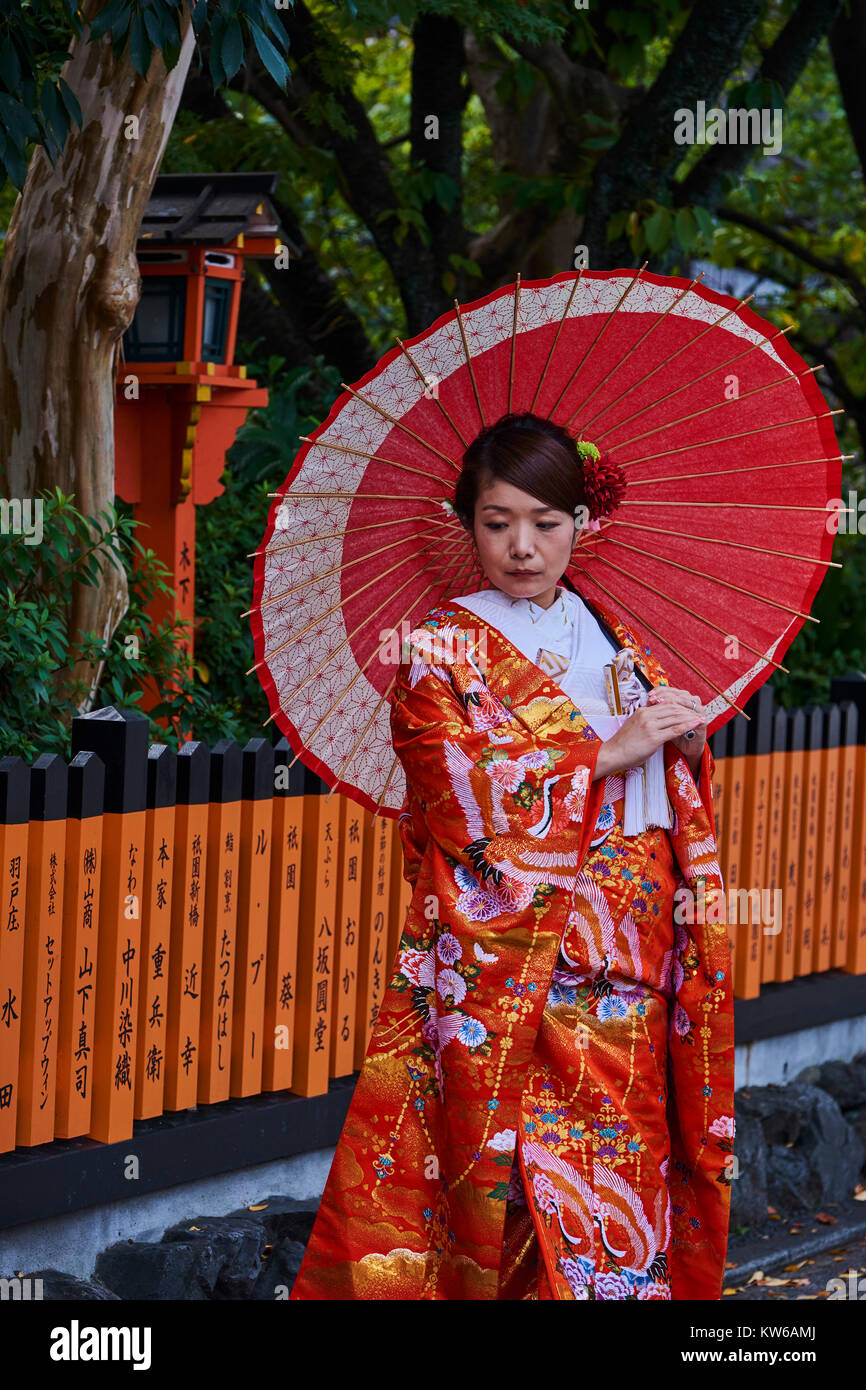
(230, 528)
(38, 695)
(36, 105)
(812, 191)
(532, 20)
(149, 25)
(835, 645)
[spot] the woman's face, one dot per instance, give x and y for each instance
(524, 545)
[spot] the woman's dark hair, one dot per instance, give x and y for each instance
(529, 452)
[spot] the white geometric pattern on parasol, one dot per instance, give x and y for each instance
(708, 411)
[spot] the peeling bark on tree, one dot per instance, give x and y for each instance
(68, 290)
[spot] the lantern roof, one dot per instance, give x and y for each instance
(210, 208)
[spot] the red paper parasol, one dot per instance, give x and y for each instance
(715, 553)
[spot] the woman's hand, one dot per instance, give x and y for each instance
(692, 749)
(647, 729)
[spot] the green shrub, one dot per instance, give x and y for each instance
(38, 694)
(230, 528)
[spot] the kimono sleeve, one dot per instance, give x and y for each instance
(413, 838)
(527, 801)
(704, 779)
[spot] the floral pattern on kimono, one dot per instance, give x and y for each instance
(497, 831)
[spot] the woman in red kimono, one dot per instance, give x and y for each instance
(545, 1108)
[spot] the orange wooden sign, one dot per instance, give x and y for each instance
(220, 923)
(794, 800)
(315, 976)
(249, 1041)
(14, 816)
(40, 1011)
(283, 917)
(847, 886)
(158, 870)
(77, 1040)
(187, 927)
(347, 942)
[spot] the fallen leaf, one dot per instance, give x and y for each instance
(724, 1291)
(731, 1264)
(756, 1277)
(827, 1220)
(263, 1206)
(770, 1282)
(771, 1211)
(798, 1265)
(860, 1194)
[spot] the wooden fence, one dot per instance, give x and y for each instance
(178, 929)
(790, 796)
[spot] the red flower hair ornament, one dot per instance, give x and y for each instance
(604, 483)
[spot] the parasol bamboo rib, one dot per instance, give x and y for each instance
(656, 321)
(597, 339)
(394, 762)
(748, 506)
(710, 540)
(644, 624)
(690, 383)
(338, 569)
(559, 329)
(332, 535)
(363, 733)
(292, 694)
(392, 419)
(700, 617)
(362, 453)
(717, 405)
(513, 341)
(744, 468)
(360, 739)
(468, 356)
(350, 496)
(702, 574)
(426, 383)
(268, 656)
(727, 438)
(717, 323)
(347, 760)
(308, 737)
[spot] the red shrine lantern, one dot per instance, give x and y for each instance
(180, 398)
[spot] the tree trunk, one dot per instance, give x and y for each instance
(68, 290)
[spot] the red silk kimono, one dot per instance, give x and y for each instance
(546, 1105)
